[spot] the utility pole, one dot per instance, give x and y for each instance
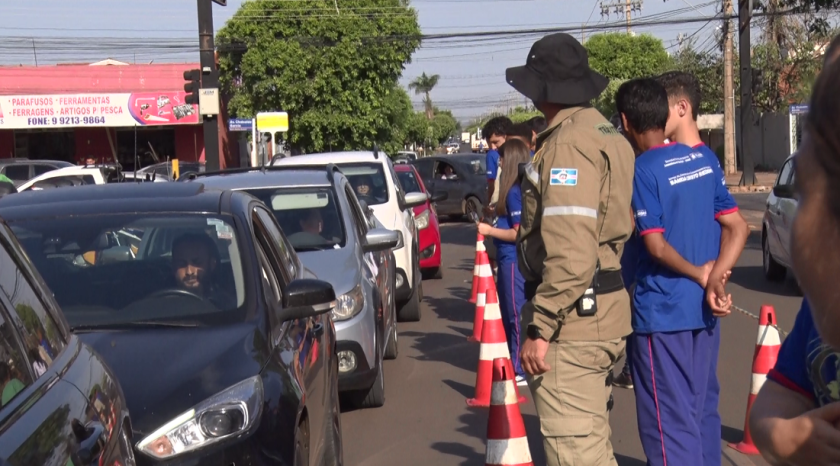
(209, 80)
(728, 93)
(744, 52)
(627, 7)
(627, 14)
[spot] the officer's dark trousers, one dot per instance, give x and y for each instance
(677, 393)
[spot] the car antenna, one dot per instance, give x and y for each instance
(375, 152)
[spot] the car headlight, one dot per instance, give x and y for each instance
(349, 304)
(422, 220)
(224, 415)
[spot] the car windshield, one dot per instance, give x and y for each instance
(409, 182)
(368, 180)
(310, 217)
(112, 270)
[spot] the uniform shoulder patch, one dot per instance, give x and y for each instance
(607, 129)
(564, 176)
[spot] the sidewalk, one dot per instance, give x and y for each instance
(763, 182)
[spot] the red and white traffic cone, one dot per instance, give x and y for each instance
(479, 249)
(766, 353)
(485, 283)
(507, 440)
(493, 346)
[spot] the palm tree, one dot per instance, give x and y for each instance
(424, 84)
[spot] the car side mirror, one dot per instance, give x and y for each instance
(784, 191)
(380, 239)
(439, 196)
(306, 297)
(413, 200)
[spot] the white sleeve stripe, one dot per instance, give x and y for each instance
(570, 210)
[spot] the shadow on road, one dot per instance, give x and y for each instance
(457, 309)
(460, 234)
(754, 241)
(731, 434)
(445, 347)
(752, 278)
(474, 424)
(463, 389)
(627, 461)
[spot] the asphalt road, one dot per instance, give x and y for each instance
(425, 420)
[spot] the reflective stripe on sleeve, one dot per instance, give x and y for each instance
(570, 210)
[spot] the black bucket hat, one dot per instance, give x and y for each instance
(557, 71)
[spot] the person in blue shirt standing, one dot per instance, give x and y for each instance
(677, 195)
(511, 284)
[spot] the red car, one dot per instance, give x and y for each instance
(425, 217)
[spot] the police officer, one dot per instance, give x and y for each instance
(576, 198)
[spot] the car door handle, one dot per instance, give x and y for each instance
(317, 331)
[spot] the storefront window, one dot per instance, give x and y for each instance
(161, 139)
(45, 145)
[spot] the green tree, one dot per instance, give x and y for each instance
(424, 84)
(334, 70)
(707, 66)
(620, 57)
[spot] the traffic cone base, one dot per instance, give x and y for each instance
(507, 440)
(767, 348)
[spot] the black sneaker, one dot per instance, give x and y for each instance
(623, 380)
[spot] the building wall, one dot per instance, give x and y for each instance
(189, 143)
(7, 144)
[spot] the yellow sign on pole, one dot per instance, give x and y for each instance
(272, 122)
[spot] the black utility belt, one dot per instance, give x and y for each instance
(608, 281)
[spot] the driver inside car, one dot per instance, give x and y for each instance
(312, 222)
(364, 188)
(194, 261)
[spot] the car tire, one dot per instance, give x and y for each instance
(410, 311)
(302, 444)
(773, 271)
(375, 396)
(392, 350)
(472, 204)
(333, 448)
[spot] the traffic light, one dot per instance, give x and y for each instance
(193, 78)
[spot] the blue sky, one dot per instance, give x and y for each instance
(471, 72)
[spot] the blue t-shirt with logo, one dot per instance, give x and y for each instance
(677, 191)
(506, 250)
(806, 365)
(492, 164)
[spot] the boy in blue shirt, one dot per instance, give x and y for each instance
(684, 96)
(676, 195)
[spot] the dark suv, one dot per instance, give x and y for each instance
(221, 339)
(60, 403)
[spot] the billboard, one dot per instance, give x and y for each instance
(91, 110)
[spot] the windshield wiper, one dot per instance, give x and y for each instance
(131, 325)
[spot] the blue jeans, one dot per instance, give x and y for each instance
(511, 290)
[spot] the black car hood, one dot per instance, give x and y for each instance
(164, 372)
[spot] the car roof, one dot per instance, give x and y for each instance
(404, 167)
(330, 157)
(111, 199)
(268, 178)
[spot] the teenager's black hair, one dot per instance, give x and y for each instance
(644, 102)
(538, 124)
(522, 130)
(681, 84)
(499, 125)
